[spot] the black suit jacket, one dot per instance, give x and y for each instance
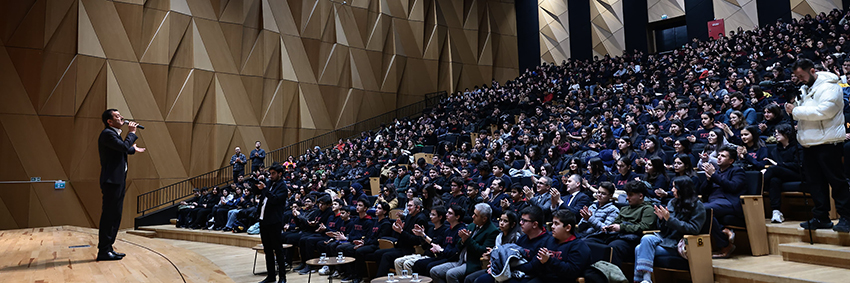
(113, 155)
(275, 195)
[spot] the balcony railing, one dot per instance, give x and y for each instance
(174, 193)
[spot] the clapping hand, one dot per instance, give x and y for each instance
(662, 212)
(709, 169)
(556, 196)
(528, 192)
(418, 230)
(398, 225)
(543, 255)
(436, 248)
(464, 234)
(585, 213)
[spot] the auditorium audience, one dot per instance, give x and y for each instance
(546, 141)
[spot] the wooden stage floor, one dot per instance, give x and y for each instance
(67, 254)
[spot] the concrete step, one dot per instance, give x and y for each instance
(143, 233)
(773, 268)
(820, 254)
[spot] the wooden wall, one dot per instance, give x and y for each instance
(205, 76)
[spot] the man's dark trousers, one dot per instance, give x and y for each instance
(272, 246)
(110, 217)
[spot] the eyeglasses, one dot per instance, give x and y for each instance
(523, 220)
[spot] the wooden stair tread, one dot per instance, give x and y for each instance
(819, 254)
(143, 233)
(206, 236)
(773, 268)
(818, 247)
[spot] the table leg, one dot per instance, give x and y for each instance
(309, 275)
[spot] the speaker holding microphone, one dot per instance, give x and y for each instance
(137, 126)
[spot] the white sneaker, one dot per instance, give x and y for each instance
(777, 217)
(325, 270)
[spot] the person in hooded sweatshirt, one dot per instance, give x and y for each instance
(566, 258)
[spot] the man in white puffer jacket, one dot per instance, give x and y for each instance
(820, 130)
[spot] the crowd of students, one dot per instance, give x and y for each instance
(559, 165)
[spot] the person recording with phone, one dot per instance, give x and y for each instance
(820, 128)
(272, 207)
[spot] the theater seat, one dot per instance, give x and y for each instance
(753, 224)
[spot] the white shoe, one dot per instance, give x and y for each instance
(325, 270)
(777, 217)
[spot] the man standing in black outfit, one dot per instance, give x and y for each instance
(113, 177)
(271, 209)
(238, 161)
(258, 157)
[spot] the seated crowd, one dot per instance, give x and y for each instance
(557, 167)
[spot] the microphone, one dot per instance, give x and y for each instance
(137, 126)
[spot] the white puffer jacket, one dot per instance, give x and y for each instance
(819, 113)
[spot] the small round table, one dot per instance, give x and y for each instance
(258, 249)
(398, 279)
(331, 261)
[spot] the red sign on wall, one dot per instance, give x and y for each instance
(716, 28)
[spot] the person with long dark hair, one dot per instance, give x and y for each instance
(786, 160)
(655, 173)
(624, 173)
(596, 172)
(683, 215)
(753, 151)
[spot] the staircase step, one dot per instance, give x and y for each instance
(143, 233)
(826, 236)
(820, 254)
(206, 236)
(174, 221)
(773, 268)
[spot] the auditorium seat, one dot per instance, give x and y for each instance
(753, 224)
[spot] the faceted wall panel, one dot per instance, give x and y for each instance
(736, 13)
(801, 8)
(205, 76)
(658, 8)
(554, 30)
(606, 22)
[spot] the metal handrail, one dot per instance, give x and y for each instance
(174, 193)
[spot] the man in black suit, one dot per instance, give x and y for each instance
(113, 176)
(271, 210)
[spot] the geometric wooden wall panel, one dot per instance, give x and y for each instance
(736, 13)
(801, 8)
(207, 75)
(554, 30)
(607, 33)
(658, 8)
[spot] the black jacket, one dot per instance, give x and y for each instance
(406, 239)
(113, 155)
(274, 196)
